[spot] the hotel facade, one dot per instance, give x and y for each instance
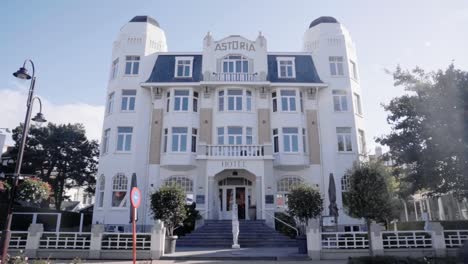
(233, 123)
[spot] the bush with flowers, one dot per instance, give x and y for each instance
(33, 191)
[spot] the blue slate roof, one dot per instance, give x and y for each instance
(323, 19)
(163, 70)
(145, 19)
(305, 70)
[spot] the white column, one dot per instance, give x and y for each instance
(437, 235)
(158, 238)
(377, 241)
(406, 210)
(440, 205)
(314, 245)
(32, 243)
(260, 197)
(209, 202)
(96, 240)
(415, 210)
(428, 205)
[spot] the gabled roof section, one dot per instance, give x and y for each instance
(163, 70)
(305, 69)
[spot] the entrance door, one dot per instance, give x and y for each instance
(227, 197)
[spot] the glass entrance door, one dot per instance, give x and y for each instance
(227, 197)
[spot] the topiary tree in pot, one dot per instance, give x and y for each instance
(168, 205)
(304, 203)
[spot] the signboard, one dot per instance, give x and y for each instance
(135, 197)
(200, 199)
(269, 199)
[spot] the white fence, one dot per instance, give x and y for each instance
(235, 150)
(234, 77)
(65, 240)
(18, 239)
(406, 239)
(345, 240)
(124, 241)
(455, 238)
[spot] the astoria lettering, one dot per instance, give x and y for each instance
(235, 45)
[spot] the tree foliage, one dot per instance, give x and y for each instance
(429, 136)
(60, 155)
(304, 203)
(33, 191)
(168, 205)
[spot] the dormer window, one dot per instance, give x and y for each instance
(286, 67)
(183, 67)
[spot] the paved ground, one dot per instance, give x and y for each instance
(209, 262)
(285, 253)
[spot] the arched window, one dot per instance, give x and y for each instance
(235, 64)
(119, 190)
(184, 183)
(284, 186)
(101, 186)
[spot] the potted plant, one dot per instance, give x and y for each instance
(304, 203)
(168, 205)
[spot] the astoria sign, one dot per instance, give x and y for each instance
(235, 45)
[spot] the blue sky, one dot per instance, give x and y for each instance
(70, 43)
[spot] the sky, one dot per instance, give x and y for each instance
(70, 43)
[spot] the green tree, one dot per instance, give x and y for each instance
(60, 155)
(429, 136)
(33, 191)
(304, 203)
(369, 195)
(168, 205)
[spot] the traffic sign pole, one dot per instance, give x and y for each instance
(135, 198)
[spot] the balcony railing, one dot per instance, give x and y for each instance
(234, 77)
(234, 151)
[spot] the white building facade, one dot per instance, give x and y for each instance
(233, 123)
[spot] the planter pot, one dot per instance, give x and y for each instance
(302, 244)
(170, 244)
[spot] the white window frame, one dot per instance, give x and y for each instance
(132, 61)
(336, 65)
(126, 136)
(193, 142)
(105, 141)
(166, 139)
(340, 101)
(181, 136)
(183, 182)
(286, 62)
(101, 187)
(290, 137)
(127, 99)
(354, 73)
(183, 62)
(345, 183)
(231, 61)
(274, 101)
(110, 103)
(120, 184)
(115, 69)
(357, 103)
(283, 188)
(276, 142)
(220, 135)
(181, 100)
(234, 136)
(304, 140)
(289, 99)
(346, 138)
(236, 98)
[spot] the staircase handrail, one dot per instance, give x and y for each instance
(288, 225)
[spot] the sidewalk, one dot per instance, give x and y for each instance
(207, 262)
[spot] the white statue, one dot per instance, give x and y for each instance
(235, 227)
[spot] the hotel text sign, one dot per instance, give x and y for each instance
(233, 164)
(235, 45)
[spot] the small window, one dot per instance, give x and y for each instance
(343, 135)
(115, 69)
(286, 68)
(304, 141)
(248, 136)
(110, 103)
(353, 70)
(194, 140)
(340, 101)
(105, 141)
(357, 104)
(132, 65)
(128, 100)
(275, 141)
(181, 100)
(290, 139)
(288, 100)
(249, 100)
(234, 100)
(195, 102)
(101, 186)
(362, 141)
(275, 102)
(345, 183)
(183, 67)
(220, 131)
(301, 101)
(336, 65)
(182, 182)
(234, 134)
(168, 102)
(221, 101)
(124, 138)
(165, 140)
(179, 139)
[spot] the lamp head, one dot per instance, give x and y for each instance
(39, 118)
(22, 73)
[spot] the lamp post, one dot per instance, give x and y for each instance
(22, 73)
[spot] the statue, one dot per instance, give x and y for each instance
(235, 227)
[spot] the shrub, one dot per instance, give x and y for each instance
(304, 203)
(168, 205)
(189, 223)
(284, 229)
(33, 191)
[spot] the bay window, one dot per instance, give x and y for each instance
(181, 100)
(124, 138)
(288, 100)
(343, 135)
(179, 139)
(290, 139)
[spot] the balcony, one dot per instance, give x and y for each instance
(235, 151)
(234, 77)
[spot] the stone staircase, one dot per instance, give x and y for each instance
(218, 234)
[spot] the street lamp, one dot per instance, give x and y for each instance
(22, 73)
